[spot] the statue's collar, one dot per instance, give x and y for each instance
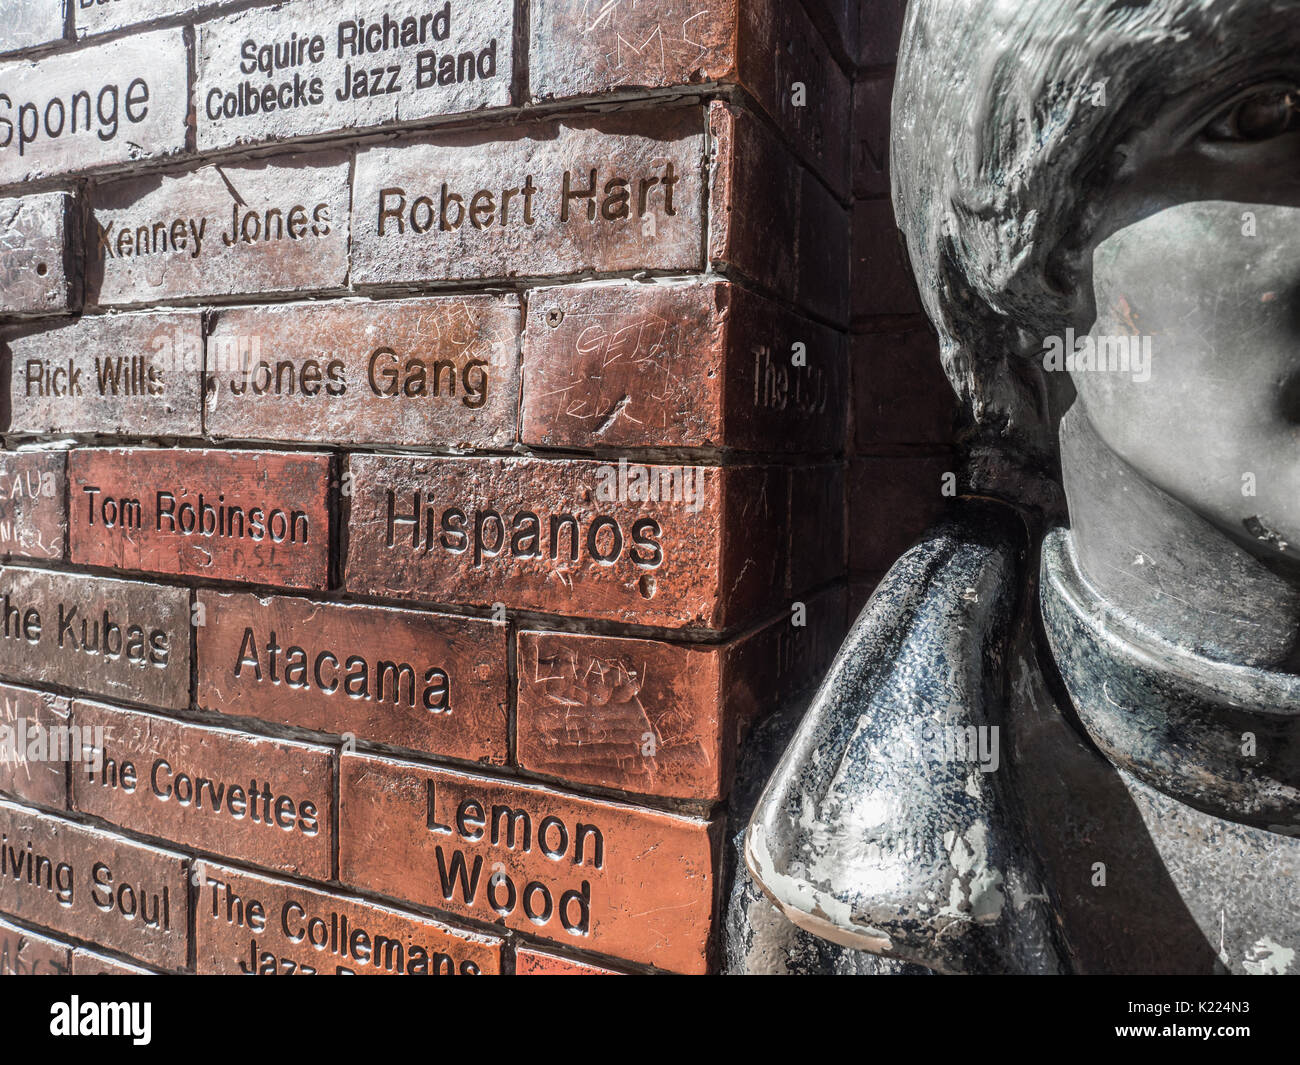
(1221, 737)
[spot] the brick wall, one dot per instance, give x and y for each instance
(426, 426)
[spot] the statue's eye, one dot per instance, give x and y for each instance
(1258, 118)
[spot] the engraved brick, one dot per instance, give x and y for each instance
(632, 883)
(433, 683)
(679, 364)
(29, 23)
(121, 639)
(493, 205)
(33, 508)
(88, 963)
(269, 802)
(271, 226)
(94, 885)
(247, 924)
(414, 373)
(871, 105)
(768, 47)
(24, 953)
(530, 962)
(352, 65)
(229, 515)
(657, 718)
(128, 374)
(772, 220)
(644, 716)
(35, 745)
(112, 103)
(573, 537)
(38, 249)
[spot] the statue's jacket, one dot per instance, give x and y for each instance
(1000, 774)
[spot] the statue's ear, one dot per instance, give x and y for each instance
(870, 833)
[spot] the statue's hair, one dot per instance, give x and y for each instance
(1002, 152)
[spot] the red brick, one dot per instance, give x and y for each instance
(678, 364)
(121, 895)
(34, 723)
(709, 562)
(301, 200)
(483, 28)
(247, 924)
(177, 781)
(817, 532)
(632, 883)
(882, 277)
(452, 705)
(88, 963)
(881, 30)
(279, 533)
(39, 271)
(24, 953)
(121, 639)
(891, 503)
(764, 46)
(900, 392)
(638, 715)
(772, 220)
(530, 962)
(401, 188)
(839, 21)
(147, 105)
(410, 373)
(126, 375)
(656, 718)
(871, 106)
(33, 508)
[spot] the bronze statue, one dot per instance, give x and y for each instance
(1064, 735)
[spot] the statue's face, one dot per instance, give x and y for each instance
(1200, 253)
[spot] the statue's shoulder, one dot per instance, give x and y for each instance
(884, 826)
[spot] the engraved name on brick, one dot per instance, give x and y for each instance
(615, 540)
(94, 885)
(121, 639)
(412, 373)
(678, 364)
(255, 799)
(256, 926)
(269, 74)
(272, 226)
(233, 515)
(38, 241)
(405, 678)
(610, 193)
(129, 374)
(594, 875)
(36, 744)
(110, 103)
(33, 509)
